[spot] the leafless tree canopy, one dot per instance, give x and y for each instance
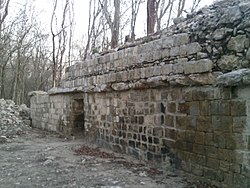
(33, 58)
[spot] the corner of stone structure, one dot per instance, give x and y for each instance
(35, 93)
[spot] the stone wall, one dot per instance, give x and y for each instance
(180, 97)
(62, 113)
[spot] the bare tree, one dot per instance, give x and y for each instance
(114, 24)
(170, 9)
(59, 40)
(22, 47)
(4, 10)
(94, 12)
(162, 7)
(181, 6)
(151, 16)
(135, 4)
(71, 30)
(195, 5)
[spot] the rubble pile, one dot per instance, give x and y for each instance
(14, 119)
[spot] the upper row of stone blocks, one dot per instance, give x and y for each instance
(165, 48)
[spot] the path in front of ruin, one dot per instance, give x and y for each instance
(42, 159)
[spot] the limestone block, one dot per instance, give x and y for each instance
(183, 50)
(106, 58)
(234, 78)
(43, 99)
(204, 93)
(137, 74)
(179, 80)
(203, 79)
(156, 44)
(108, 65)
(155, 81)
(124, 75)
(204, 124)
(230, 15)
(131, 74)
(156, 55)
(166, 69)
(143, 74)
(120, 64)
(131, 60)
(34, 93)
(165, 53)
(238, 43)
(103, 79)
(168, 42)
(145, 57)
(202, 65)
(120, 86)
(178, 68)
(181, 60)
(175, 51)
(157, 70)
(246, 79)
(97, 79)
(111, 56)
(149, 72)
(121, 54)
(144, 48)
(112, 77)
(118, 77)
(193, 48)
(141, 84)
(238, 108)
(115, 56)
(248, 54)
(222, 123)
(229, 62)
(221, 33)
(181, 39)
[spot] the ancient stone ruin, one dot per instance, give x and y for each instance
(182, 96)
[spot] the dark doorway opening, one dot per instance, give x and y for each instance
(78, 117)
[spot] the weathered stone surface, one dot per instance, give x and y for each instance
(230, 15)
(169, 96)
(203, 79)
(56, 90)
(200, 66)
(167, 42)
(180, 80)
(238, 43)
(120, 86)
(193, 48)
(234, 78)
(32, 93)
(222, 33)
(181, 39)
(229, 62)
(248, 54)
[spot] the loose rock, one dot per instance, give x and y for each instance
(14, 119)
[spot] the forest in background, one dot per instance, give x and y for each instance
(32, 58)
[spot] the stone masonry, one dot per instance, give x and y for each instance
(181, 97)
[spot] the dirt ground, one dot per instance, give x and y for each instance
(42, 159)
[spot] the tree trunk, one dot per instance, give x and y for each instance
(116, 23)
(2, 92)
(16, 80)
(151, 16)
